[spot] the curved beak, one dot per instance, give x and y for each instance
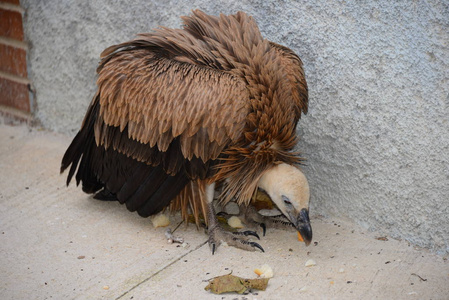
(302, 224)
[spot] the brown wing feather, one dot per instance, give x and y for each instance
(292, 65)
(159, 99)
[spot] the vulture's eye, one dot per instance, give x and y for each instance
(286, 200)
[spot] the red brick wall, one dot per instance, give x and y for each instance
(14, 83)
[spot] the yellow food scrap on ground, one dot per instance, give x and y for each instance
(310, 263)
(160, 220)
(264, 272)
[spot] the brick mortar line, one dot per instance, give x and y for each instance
(15, 78)
(12, 7)
(6, 110)
(13, 43)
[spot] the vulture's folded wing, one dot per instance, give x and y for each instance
(155, 100)
(155, 123)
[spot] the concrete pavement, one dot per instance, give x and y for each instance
(57, 242)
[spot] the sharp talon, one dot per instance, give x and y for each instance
(253, 233)
(246, 233)
(264, 228)
(213, 249)
(256, 245)
(222, 214)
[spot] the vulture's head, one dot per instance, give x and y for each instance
(289, 190)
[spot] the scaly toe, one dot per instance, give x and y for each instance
(247, 233)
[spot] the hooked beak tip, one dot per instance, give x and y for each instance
(303, 226)
(306, 233)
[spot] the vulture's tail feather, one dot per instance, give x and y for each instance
(141, 187)
(149, 186)
(171, 187)
(81, 148)
(105, 195)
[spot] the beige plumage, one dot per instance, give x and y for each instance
(178, 110)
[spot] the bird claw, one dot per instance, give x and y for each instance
(213, 247)
(243, 244)
(253, 244)
(256, 245)
(253, 218)
(247, 233)
(222, 214)
(217, 235)
(281, 221)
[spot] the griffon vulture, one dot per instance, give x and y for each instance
(179, 112)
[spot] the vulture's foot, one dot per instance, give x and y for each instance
(254, 219)
(249, 222)
(238, 239)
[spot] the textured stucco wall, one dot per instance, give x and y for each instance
(377, 133)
